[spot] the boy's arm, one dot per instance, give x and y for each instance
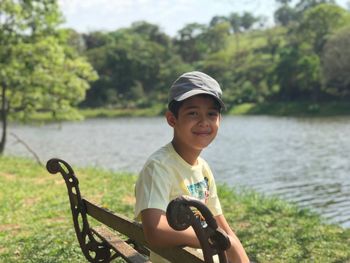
(236, 253)
(158, 233)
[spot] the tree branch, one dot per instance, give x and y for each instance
(28, 148)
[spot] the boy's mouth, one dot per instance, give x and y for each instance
(202, 133)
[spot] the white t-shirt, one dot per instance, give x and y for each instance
(166, 176)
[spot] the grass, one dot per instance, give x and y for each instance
(241, 109)
(85, 113)
(292, 109)
(36, 224)
(275, 231)
(35, 220)
(112, 113)
(273, 109)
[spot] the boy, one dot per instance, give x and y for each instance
(194, 113)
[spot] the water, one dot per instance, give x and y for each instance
(299, 159)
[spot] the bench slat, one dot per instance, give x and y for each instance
(134, 231)
(128, 253)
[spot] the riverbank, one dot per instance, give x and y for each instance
(35, 220)
(296, 109)
(274, 109)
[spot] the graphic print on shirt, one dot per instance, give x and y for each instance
(200, 190)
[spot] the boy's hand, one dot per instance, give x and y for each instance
(158, 233)
(236, 252)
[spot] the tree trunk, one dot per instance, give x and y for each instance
(4, 111)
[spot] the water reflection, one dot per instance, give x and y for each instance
(302, 160)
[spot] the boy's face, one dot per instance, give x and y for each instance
(197, 123)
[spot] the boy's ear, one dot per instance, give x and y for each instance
(171, 119)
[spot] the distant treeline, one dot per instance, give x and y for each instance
(305, 57)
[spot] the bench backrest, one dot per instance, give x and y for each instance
(93, 248)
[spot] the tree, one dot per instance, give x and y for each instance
(41, 76)
(298, 73)
(97, 39)
(217, 20)
(38, 72)
(189, 44)
(236, 22)
(305, 5)
(248, 20)
(284, 15)
(76, 41)
(132, 67)
(336, 64)
(319, 22)
(216, 37)
(151, 32)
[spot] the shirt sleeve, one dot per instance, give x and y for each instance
(152, 189)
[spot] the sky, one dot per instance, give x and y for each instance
(170, 15)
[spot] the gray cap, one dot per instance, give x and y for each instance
(194, 83)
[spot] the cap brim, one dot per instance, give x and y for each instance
(194, 92)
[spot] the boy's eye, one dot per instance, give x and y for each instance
(213, 114)
(192, 113)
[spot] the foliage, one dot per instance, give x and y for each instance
(296, 109)
(38, 70)
(298, 71)
(254, 65)
(319, 22)
(42, 77)
(132, 64)
(189, 44)
(36, 224)
(293, 61)
(284, 15)
(336, 64)
(304, 5)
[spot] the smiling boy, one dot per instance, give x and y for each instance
(194, 113)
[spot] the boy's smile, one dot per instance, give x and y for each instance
(196, 125)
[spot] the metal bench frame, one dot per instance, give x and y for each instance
(104, 243)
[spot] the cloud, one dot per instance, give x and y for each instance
(91, 15)
(169, 15)
(77, 6)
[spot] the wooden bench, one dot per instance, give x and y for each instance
(119, 237)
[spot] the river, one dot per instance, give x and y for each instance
(303, 160)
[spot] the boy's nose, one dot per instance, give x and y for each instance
(203, 122)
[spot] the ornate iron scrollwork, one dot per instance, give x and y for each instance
(213, 239)
(94, 250)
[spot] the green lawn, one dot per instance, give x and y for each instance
(322, 109)
(36, 224)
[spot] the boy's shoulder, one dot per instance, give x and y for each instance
(163, 156)
(162, 153)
